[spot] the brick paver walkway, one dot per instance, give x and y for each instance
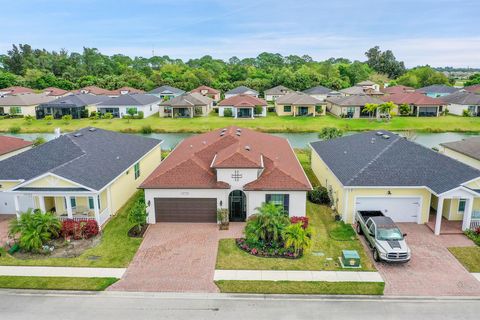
(176, 257)
(433, 270)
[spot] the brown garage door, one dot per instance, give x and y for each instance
(186, 210)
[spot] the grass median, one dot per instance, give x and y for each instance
(56, 283)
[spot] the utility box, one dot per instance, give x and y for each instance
(350, 259)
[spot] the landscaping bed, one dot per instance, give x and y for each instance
(56, 283)
(271, 123)
(301, 287)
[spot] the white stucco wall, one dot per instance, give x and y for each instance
(248, 175)
(297, 201)
(457, 109)
(148, 110)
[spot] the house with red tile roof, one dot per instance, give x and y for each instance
(242, 106)
(95, 90)
(420, 104)
(56, 92)
(10, 146)
(208, 92)
(473, 88)
(232, 168)
(15, 90)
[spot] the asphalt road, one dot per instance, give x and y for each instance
(136, 306)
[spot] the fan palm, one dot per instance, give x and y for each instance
(298, 238)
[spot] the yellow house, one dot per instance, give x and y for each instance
(299, 104)
(407, 182)
(88, 174)
(22, 104)
(466, 151)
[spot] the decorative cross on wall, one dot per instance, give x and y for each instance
(236, 175)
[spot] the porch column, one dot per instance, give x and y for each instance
(41, 202)
(294, 108)
(253, 111)
(69, 207)
(438, 219)
(235, 112)
(96, 208)
(467, 215)
(192, 112)
(314, 111)
(109, 201)
(17, 206)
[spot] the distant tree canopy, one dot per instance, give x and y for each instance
(472, 80)
(421, 77)
(39, 68)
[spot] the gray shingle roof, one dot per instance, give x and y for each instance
(167, 90)
(240, 90)
(437, 88)
(354, 100)
(138, 99)
(188, 100)
(356, 161)
(92, 159)
(469, 147)
(463, 98)
(278, 90)
(25, 99)
(76, 100)
(298, 98)
(318, 90)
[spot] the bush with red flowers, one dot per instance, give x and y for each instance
(79, 229)
(302, 220)
(266, 250)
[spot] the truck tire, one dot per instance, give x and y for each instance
(376, 255)
(359, 229)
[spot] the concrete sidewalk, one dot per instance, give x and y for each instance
(290, 275)
(62, 272)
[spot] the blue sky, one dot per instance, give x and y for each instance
(437, 32)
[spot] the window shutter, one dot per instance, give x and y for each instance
(268, 198)
(286, 203)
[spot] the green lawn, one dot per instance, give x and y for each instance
(468, 256)
(56, 283)
(115, 250)
(271, 123)
(300, 287)
(304, 156)
(324, 246)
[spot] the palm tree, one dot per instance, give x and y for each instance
(370, 108)
(386, 108)
(298, 238)
(267, 224)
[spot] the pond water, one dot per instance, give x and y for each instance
(297, 140)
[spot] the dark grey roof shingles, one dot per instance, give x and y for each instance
(166, 88)
(138, 99)
(93, 159)
(356, 161)
(240, 90)
(438, 88)
(76, 100)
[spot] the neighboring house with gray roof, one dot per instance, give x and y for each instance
(466, 151)
(406, 181)
(299, 104)
(139, 102)
(351, 106)
(273, 93)
(321, 92)
(76, 105)
(22, 104)
(463, 101)
(166, 92)
(187, 105)
(437, 90)
(87, 174)
(241, 90)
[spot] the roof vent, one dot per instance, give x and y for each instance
(92, 129)
(77, 135)
(118, 158)
(224, 129)
(385, 136)
(379, 133)
(247, 148)
(373, 140)
(239, 130)
(239, 133)
(222, 134)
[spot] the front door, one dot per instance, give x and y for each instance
(237, 206)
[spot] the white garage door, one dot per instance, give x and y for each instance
(7, 204)
(399, 209)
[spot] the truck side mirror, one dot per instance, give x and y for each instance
(404, 235)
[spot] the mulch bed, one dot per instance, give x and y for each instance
(266, 252)
(134, 233)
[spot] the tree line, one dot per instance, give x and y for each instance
(40, 68)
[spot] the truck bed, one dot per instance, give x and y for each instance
(369, 214)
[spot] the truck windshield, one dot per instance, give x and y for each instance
(388, 234)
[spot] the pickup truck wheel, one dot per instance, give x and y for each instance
(359, 228)
(376, 256)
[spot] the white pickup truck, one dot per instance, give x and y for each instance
(383, 236)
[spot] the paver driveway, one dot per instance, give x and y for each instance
(176, 257)
(433, 270)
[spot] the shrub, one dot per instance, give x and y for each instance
(108, 116)
(146, 129)
(79, 229)
(466, 113)
(267, 224)
(404, 109)
(67, 118)
(302, 220)
(328, 133)
(228, 113)
(38, 141)
(258, 110)
(49, 119)
(319, 195)
(28, 119)
(198, 111)
(298, 238)
(34, 230)
(138, 215)
(94, 115)
(319, 109)
(14, 130)
(140, 115)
